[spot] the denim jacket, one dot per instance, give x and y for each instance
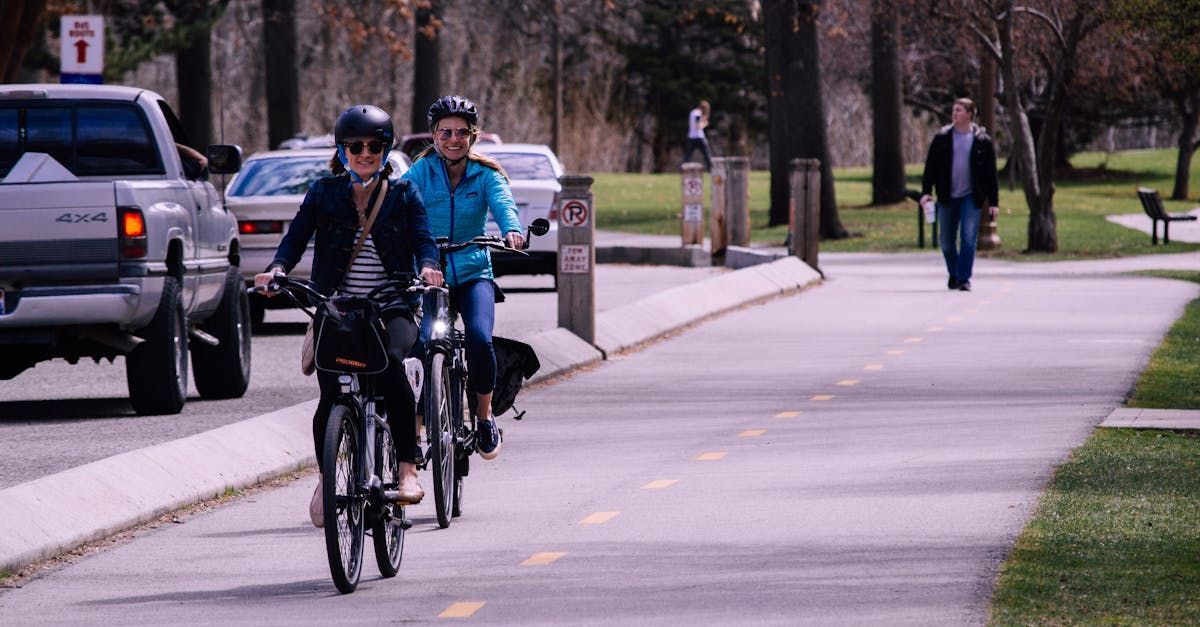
(462, 214)
(400, 232)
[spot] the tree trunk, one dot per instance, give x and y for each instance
(777, 22)
(193, 73)
(556, 121)
(806, 108)
(427, 85)
(1189, 117)
(282, 82)
(987, 91)
(20, 22)
(887, 178)
(1022, 136)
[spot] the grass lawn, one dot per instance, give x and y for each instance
(1116, 536)
(650, 203)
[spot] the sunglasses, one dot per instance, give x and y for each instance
(355, 148)
(445, 134)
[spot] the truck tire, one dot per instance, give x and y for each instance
(156, 370)
(223, 371)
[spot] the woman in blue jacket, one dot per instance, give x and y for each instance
(459, 188)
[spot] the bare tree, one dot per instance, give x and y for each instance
(20, 25)
(282, 75)
(795, 109)
(427, 83)
(887, 178)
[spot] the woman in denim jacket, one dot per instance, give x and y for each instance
(335, 210)
(459, 188)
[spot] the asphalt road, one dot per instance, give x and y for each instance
(57, 416)
(864, 452)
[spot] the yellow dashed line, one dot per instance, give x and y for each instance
(461, 609)
(711, 456)
(751, 433)
(895, 351)
(821, 397)
(911, 340)
(787, 414)
(599, 518)
(847, 382)
(934, 329)
(541, 559)
(659, 484)
(873, 367)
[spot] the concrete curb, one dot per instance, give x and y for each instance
(48, 516)
(687, 256)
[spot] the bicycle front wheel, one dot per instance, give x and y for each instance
(342, 499)
(388, 530)
(441, 437)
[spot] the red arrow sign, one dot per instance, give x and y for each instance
(81, 47)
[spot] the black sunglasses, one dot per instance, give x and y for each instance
(445, 134)
(355, 148)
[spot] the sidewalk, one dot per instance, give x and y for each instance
(1180, 231)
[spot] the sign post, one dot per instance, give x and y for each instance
(805, 222)
(577, 257)
(693, 204)
(82, 49)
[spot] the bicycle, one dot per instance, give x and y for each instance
(451, 428)
(361, 472)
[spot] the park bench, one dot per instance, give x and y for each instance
(1154, 208)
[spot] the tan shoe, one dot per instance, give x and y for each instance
(316, 507)
(409, 491)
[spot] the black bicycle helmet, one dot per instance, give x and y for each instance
(452, 106)
(364, 121)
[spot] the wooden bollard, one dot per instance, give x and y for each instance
(805, 183)
(577, 257)
(692, 215)
(737, 201)
(716, 223)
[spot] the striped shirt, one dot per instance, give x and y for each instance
(366, 270)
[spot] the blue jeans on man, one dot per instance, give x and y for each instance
(959, 219)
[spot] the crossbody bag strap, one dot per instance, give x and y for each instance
(380, 192)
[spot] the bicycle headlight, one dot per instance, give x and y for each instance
(439, 328)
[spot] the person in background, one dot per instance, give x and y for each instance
(460, 187)
(697, 122)
(961, 168)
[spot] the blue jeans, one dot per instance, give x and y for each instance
(959, 219)
(476, 303)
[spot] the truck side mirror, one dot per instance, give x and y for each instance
(224, 159)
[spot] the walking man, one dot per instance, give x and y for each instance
(961, 167)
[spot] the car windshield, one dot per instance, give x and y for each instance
(523, 166)
(279, 176)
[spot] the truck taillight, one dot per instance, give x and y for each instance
(256, 227)
(133, 233)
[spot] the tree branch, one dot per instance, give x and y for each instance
(1053, 24)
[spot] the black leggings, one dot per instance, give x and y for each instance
(392, 383)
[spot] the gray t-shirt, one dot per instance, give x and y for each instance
(960, 166)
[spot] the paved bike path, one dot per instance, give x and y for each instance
(46, 516)
(861, 453)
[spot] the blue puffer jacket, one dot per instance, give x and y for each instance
(462, 214)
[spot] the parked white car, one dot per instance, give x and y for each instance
(265, 195)
(533, 171)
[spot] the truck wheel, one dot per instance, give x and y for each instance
(223, 371)
(157, 369)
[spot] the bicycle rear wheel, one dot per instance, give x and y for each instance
(387, 532)
(343, 501)
(441, 437)
(464, 431)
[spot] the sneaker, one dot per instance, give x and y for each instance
(965, 286)
(952, 284)
(489, 439)
(316, 507)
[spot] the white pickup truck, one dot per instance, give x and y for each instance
(114, 243)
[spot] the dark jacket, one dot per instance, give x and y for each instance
(985, 186)
(400, 233)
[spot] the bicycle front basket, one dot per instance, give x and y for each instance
(350, 337)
